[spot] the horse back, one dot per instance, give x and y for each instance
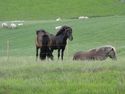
(39, 37)
(88, 55)
(53, 42)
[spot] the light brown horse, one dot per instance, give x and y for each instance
(100, 53)
(42, 43)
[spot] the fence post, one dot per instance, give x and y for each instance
(67, 50)
(8, 47)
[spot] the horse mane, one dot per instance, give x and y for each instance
(62, 29)
(103, 48)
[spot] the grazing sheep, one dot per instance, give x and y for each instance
(12, 25)
(86, 17)
(83, 17)
(58, 19)
(58, 27)
(20, 24)
(4, 25)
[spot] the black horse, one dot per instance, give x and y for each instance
(59, 41)
(42, 42)
(49, 42)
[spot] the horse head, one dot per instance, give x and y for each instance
(41, 31)
(67, 31)
(111, 52)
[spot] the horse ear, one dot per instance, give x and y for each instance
(110, 49)
(43, 30)
(62, 29)
(113, 49)
(37, 32)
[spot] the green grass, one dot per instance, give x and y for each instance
(21, 74)
(51, 9)
(87, 34)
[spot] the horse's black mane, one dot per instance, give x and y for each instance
(62, 30)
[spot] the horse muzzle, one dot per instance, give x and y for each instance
(71, 38)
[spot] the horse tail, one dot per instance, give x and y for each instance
(74, 57)
(45, 50)
(45, 40)
(44, 47)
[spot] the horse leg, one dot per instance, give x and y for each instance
(37, 49)
(58, 53)
(49, 54)
(62, 53)
(42, 54)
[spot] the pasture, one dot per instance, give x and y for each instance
(47, 9)
(20, 73)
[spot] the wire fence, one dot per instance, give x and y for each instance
(7, 50)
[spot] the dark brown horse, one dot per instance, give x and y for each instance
(97, 54)
(49, 42)
(59, 41)
(42, 43)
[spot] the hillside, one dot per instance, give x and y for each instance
(51, 9)
(87, 34)
(21, 74)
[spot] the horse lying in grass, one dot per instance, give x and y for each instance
(100, 53)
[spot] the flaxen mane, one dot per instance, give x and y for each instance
(100, 53)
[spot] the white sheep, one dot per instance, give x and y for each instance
(58, 27)
(4, 25)
(20, 24)
(82, 17)
(86, 17)
(12, 25)
(58, 19)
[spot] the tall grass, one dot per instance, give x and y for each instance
(24, 75)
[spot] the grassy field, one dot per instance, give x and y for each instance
(21, 74)
(51, 9)
(87, 34)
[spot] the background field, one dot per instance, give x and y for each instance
(21, 74)
(50, 9)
